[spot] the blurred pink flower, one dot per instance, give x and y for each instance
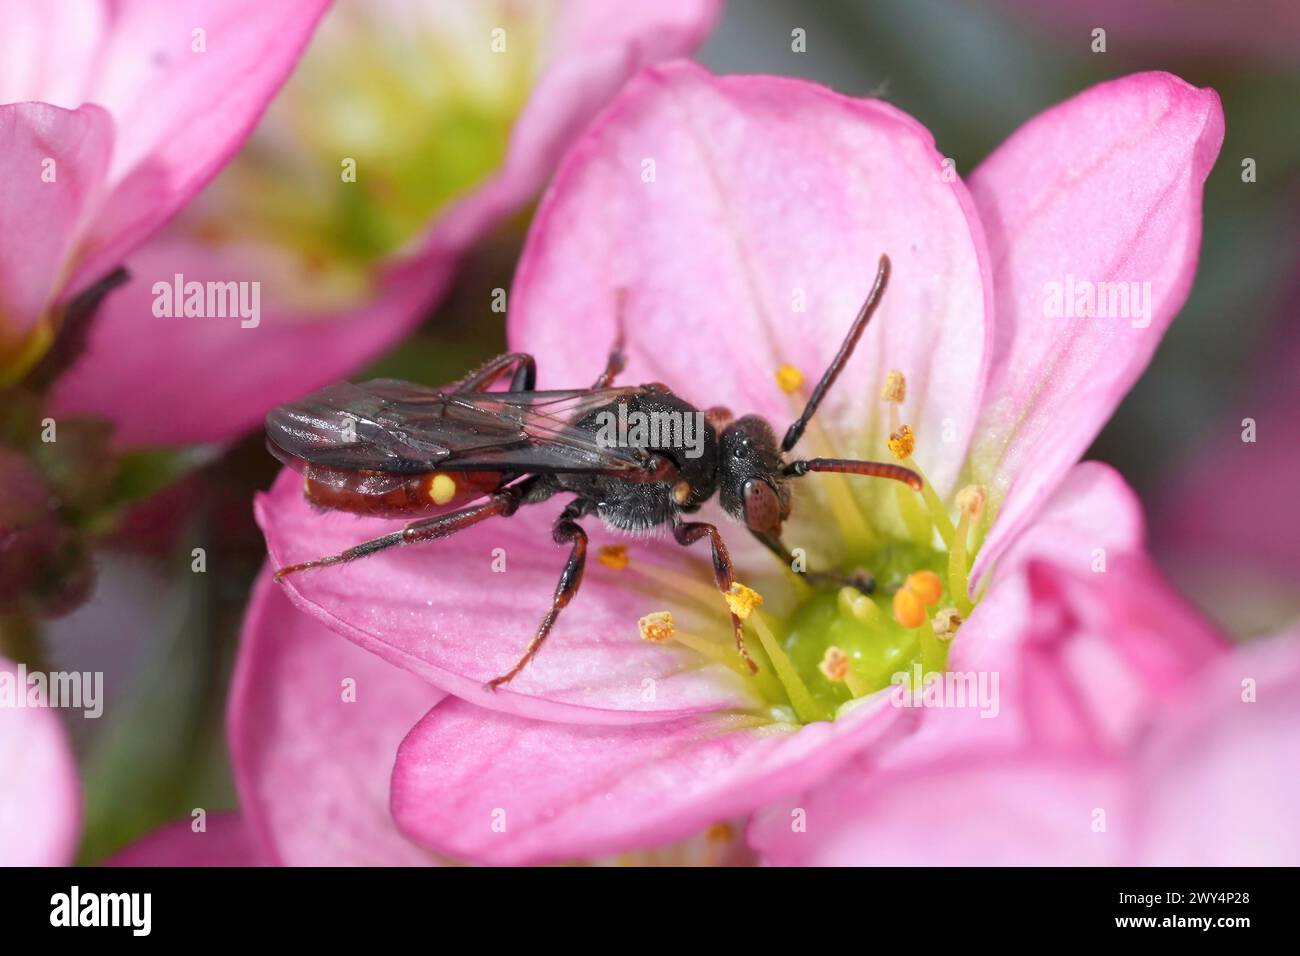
(225, 840)
(1210, 776)
(1266, 30)
(1226, 523)
(40, 794)
(112, 115)
(764, 195)
(450, 125)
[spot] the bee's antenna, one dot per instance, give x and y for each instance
(849, 466)
(841, 357)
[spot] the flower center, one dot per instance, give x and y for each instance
(821, 645)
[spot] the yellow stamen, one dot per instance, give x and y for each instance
(804, 706)
(895, 389)
(613, 556)
(742, 600)
(934, 652)
(971, 501)
(720, 833)
(788, 379)
(913, 512)
(902, 442)
(657, 627)
(834, 665)
(946, 622)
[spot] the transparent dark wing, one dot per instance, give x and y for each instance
(396, 427)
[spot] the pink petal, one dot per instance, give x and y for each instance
(250, 369)
(1220, 778)
(48, 50)
(1105, 187)
(764, 189)
(181, 114)
(440, 611)
(1085, 656)
(1085, 662)
(40, 793)
(226, 840)
(311, 767)
(565, 791)
(990, 813)
(39, 220)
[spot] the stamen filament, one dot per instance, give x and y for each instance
(957, 566)
(804, 706)
(938, 514)
(722, 654)
(914, 516)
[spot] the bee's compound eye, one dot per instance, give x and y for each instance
(762, 507)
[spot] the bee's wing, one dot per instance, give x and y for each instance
(399, 428)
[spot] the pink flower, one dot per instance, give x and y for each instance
(1208, 778)
(743, 216)
(40, 796)
(1197, 29)
(113, 116)
(1227, 522)
(409, 130)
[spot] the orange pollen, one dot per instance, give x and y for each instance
(613, 556)
(788, 379)
(902, 442)
(895, 389)
(742, 600)
(834, 665)
(926, 586)
(908, 609)
(657, 627)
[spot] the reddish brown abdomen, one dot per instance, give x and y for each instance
(379, 494)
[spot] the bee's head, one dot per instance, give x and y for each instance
(751, 485)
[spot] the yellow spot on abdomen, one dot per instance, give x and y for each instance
(442, 488)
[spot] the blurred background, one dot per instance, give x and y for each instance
(971, 72)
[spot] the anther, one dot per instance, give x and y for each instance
(972, 499)
(946, 622)
(834, 665)
(895, 389)
(902, 441)
(613, 556)
(788, 379)
(657, 627)
(742, 600)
